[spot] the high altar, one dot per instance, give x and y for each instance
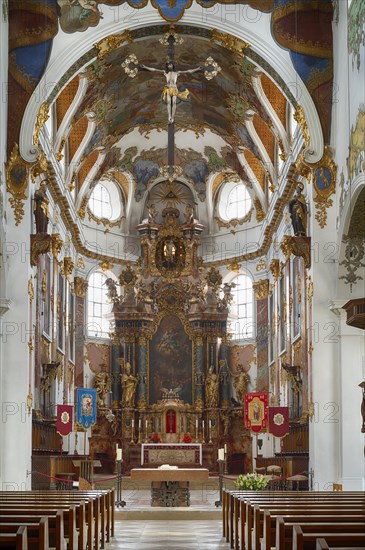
(170, 377)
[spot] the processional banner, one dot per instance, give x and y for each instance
(279, 421)
(86, 407)
(64, 419)
(256, 411)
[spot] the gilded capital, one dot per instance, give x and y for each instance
(80, 286)
(56, 244)
(261, 289)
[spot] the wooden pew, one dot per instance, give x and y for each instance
(265, 525)
(17, 540)
(314, 525)
(285, 498)
(84, 519)
(104, 517)
(37, 533)
(322, 545)
(69, 517)
(281, 535)
(308, 540)
(56, 537)
(255, 507)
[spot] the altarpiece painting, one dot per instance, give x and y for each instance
(170, 360)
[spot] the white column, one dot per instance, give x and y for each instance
(16, 424)
(352, 351)
(324, 378)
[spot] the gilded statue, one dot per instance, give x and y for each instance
(129, 384)
(240, 385)
(41, 213)
(102, 385)
(298, 212)
(112, 289)
(211, 389)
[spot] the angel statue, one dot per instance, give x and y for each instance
(211, 389)
(112, 289)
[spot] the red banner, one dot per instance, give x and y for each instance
(256, 411)
(279, 421)
(64, 419)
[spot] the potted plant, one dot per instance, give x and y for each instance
(187, 438)
(251, 482)
(155, 439)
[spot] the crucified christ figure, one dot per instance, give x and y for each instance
(170, 92)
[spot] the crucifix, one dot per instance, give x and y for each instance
(170, 92)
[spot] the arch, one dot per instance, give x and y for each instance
(63, 60)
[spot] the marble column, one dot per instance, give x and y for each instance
(199, 372)
(225, 393)
(116, 370)
(142, 397)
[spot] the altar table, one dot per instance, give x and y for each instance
(170, 488)
(176, 454)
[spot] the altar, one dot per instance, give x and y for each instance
(177, 454)
(170, 487)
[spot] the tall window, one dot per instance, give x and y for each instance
(105, 201)
(98, 306)
(234, 201)
(240, 319)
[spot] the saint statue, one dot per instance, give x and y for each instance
(41, 213)
(211, 389)
(129, 384)
(298, 212)
(169, 252)
(102, 385)
(170, 92)
(240, 385)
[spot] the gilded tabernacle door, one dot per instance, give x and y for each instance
(170, 360)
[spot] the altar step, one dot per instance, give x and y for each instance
(151, 514)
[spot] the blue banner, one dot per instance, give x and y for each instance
(86, 407)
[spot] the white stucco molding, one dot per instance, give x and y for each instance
(4, 306)
(65, 52)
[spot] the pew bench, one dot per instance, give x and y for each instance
(55, 528)
(37, 533)
(322, 545)
(278, 528)
(17, 540)
(307, 539)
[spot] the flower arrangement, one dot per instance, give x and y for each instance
(251, 482)
(187, 438)
(155, 439)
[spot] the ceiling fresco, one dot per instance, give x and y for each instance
(127, 111)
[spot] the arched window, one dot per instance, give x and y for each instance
(234, 201)
(105, 201)
(240, 318)
(98, 306)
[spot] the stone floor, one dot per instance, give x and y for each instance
(168, 535)
(140, 527)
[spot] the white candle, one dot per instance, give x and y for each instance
(203, 425)
(132, 422)
(196, 423)
(119, 454)
(210, 424)
(225, 448)
(220, 454)
(139, 423)
(146, 424)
